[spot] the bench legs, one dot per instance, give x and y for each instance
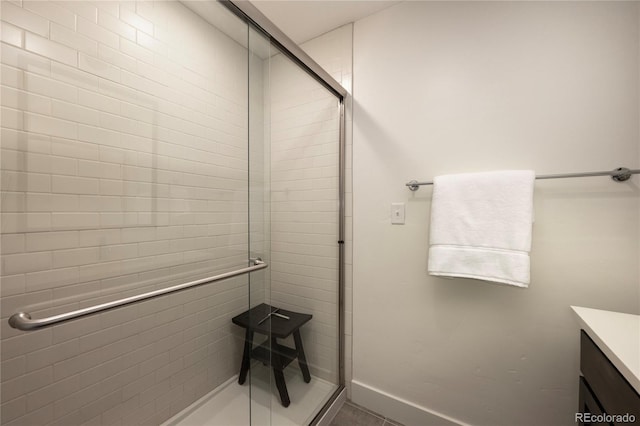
(276, 363)
(278, 374)
(302, 359)
(246, 356)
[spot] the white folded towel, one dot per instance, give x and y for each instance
(481, 226)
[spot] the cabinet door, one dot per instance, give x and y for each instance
(588, 403)
(614, 393)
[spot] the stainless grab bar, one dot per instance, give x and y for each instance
(23, 320)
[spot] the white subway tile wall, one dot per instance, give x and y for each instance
(124, 168)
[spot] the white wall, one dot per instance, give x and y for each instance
(446, 87)
(124, 165)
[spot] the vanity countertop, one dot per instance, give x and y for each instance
(618, 336)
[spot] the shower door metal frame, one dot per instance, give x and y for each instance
(250, 14)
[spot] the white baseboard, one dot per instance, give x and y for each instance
(398, 409)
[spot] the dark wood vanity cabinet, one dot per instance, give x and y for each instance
(603, 389)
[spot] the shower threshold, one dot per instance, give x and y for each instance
(228, 404)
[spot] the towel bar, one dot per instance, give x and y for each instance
(619, 175)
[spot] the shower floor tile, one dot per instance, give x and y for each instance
(228, 405)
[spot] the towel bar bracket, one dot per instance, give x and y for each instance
(621, 174)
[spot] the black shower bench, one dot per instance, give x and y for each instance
(270, 352)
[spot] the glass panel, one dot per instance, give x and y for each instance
(294, 144)
(293, 150)
(259, 219)
(124, 170)
(162, 143)
(304, 151)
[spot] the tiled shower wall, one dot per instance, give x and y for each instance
(123, 166)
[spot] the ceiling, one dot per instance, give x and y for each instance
(303, 20)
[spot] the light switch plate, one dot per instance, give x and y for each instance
(397, 213)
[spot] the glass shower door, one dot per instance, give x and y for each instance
(260, 377)
(294, 144)
(149, 144)
(305, 151)
(124, 171)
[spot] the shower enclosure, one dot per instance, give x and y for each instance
(166, 166)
